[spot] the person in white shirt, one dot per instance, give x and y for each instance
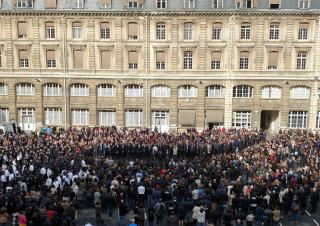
(49, 182)
(201, 217)
(195, 212)
(43, 171)
(141, 192)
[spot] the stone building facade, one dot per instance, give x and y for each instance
(170, 64)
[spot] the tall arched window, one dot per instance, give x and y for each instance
(187, 91)
(271, 92)
(300, 92)
(242, 91)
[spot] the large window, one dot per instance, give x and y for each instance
(215, 91)
(245, 31)
(160, 91)
(303, 31)
(79, 90)
(22, 29)
(23, 59)
(217, 4)
(105, 30)
(77, 30)
(303, 4)
(133, 60)
(52, 89)
(161, 4)
(215, 60)
(106, 90)
(187, 91)
(216, 31)
(107, 117)
(318, 120)
(274, 4)
(244, 4)
(188, 30)
(50, 30)
(297, 119)
(133, 118)
(80, 117)
(105, 4)
(24, 3)
(271, 92)
(242, 91)
(4, 114)
(274, 31)
(273, 58)
(301, 60)
(132, 31)
(79, 4)
(51, 59)
(133, 91)
(160, 60)
(25, 89)
(27, 118)
(105, 59)
(52, 116)
(244, 60)
(160, 120)
(187, 60)
(78, 59)
(132, 4)
(241, 119)
(160, 31)
(3, 89)
(300, 92)
(50, 4)
(189, 4)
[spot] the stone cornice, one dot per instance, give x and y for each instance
(233, 12)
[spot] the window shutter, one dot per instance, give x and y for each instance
(133, 57)
(105, 2)
(160, 56)
(216, 56)
(105, 25)
(77, 24)
(274, 1)
(273, 58)
(133, 29)
(105, 60)
(14, 2)
(303, 26)
(78, 59)
(217, 25)
(50, 4)
(23, 54)
(49, 24)
(51, 55)
(141, 2)
(244, 54)
(22, 28)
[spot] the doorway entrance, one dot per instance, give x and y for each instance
(270, 120)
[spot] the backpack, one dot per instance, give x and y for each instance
(160, 212)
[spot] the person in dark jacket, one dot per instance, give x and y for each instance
(227, 218)
(314, 197)
(151, 214)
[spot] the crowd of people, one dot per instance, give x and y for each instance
(218, 177)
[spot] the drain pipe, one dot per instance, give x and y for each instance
(64, 69)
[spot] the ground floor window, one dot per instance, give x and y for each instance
(4, 114)
(318, 119)
(27, 118)
(80, 117)
(52, 116)
(241, 119)
(133, 118)
(160, 120)
(107, 118)
(297, 119)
